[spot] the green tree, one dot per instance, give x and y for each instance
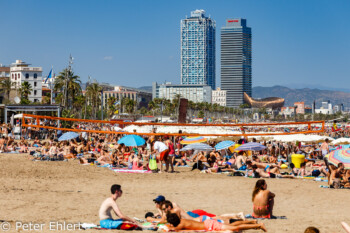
(200, 114)
(25, 90)
(111, 106)
(6, 86)
(93, 94)
(68, 84)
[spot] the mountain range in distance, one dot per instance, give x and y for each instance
(291, 95)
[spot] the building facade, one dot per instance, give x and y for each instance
(198, 50)
(236, 61)
(218, 96)
(300, 107)
(21, 72)
(195, 93)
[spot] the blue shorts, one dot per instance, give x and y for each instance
(204, 217)
(111, 223)
(243, 168)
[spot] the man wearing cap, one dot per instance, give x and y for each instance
(105, 213)
(162, 152)
(159, 205)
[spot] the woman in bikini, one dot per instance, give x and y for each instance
(263, 200)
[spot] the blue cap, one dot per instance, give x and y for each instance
(159, 198)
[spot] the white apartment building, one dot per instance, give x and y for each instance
(20, 72)
(218, 96)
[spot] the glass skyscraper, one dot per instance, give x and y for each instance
(236, 61)
(198, 50)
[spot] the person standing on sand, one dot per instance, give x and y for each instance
(105, 213)
(263, 200)
(325, 148)
(162, 150)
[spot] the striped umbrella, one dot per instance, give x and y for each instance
(197, 146)
(340, 156)
(224, 145)
(195, 139)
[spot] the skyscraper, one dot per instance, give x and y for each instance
(198, 50)
(236, 61)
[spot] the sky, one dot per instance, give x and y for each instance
(137, 42)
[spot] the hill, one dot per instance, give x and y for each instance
(305, 94)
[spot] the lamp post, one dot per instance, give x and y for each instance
(295, 113)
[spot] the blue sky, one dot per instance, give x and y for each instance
(136, 42)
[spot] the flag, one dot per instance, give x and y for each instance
(49, 76)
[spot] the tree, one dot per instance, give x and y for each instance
(25, 90)
(93, 95)
(201, 114)
(68, 84)
(245, 105)
(6, 85)
(111, 106)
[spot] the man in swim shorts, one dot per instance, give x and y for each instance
(105, 213)
(178, 224)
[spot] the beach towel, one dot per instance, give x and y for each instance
(129, 171)
(249, 216)
(153, 163)
(328, 187)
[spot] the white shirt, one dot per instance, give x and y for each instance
(160, 146)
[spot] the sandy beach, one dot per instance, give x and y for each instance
(42, 192)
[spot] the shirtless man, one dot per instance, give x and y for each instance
(324, 147)
(178, 224)
(167, 207)
(263, 200)
(175, 209)
(335, 175)
(105, 212)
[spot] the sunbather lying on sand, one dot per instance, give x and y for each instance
(178, 224)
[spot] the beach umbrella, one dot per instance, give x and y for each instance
(197, 146)
(251, 146)
(340, 156)
(195, 139)
(340, 141)
(68, 136)
(132, 140)
(224, 145)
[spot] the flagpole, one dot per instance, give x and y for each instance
(51, 84)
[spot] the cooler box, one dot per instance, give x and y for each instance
(297, 159)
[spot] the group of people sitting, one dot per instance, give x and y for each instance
(177, 219)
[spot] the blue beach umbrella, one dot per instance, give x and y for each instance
(68, 136)
(251, 146)
(197, 146)
(132, 140)
(224, 145)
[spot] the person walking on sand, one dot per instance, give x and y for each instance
(263, 200)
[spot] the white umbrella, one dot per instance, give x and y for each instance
(341, 141)
(19, 116)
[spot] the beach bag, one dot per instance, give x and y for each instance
(153, 163)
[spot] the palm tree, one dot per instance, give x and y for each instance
(25, 90)
(111, 106)
(6, 85)
(93, 94)
(68, 84)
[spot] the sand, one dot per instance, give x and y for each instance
(44, 192)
